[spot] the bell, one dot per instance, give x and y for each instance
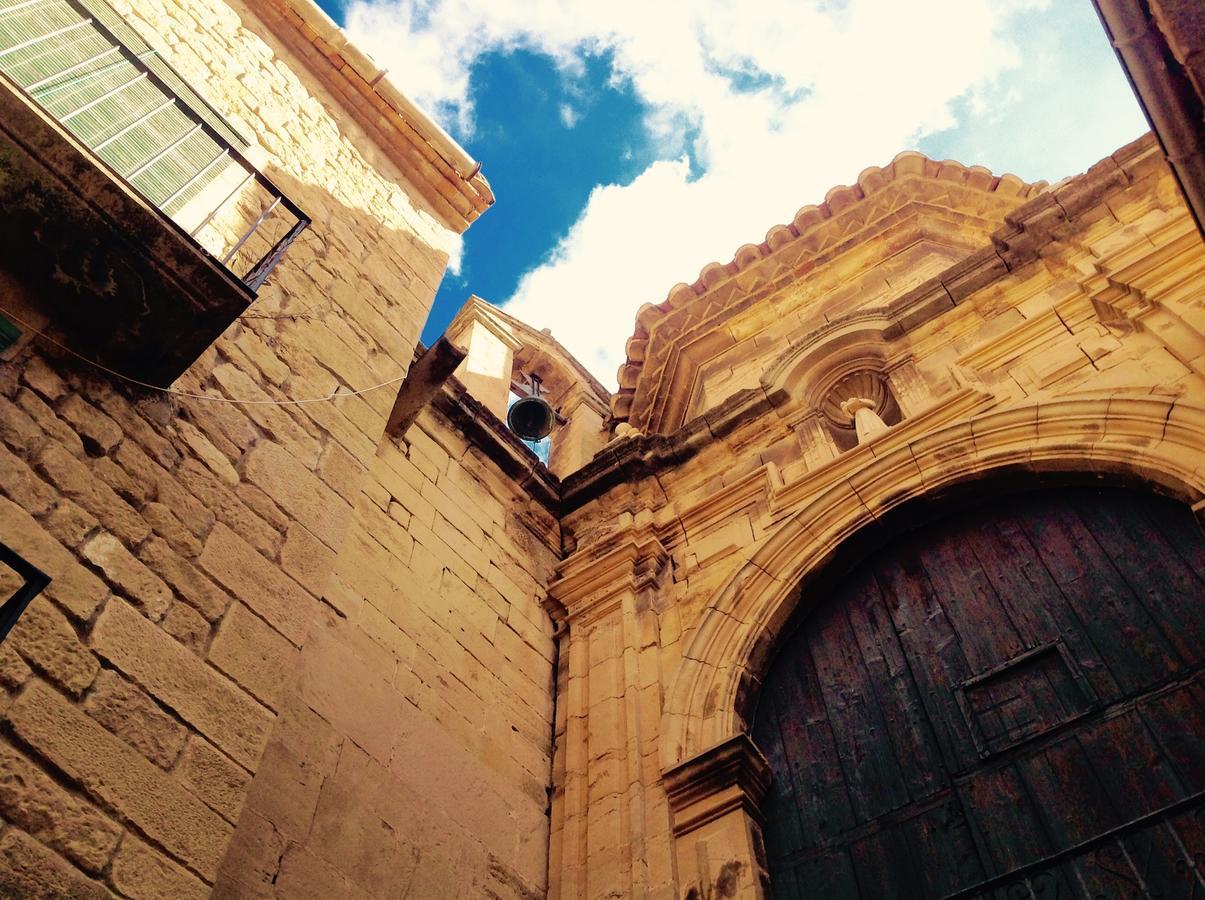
(531, 418)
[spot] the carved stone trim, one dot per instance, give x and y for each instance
(593, 581)
(728, 776)
(477, 310)
(817, 235)
(1137, 435)
(1047, 214)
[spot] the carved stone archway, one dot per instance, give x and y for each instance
(708, 761)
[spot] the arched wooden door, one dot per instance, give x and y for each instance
(1006, 703)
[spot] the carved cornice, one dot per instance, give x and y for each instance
(872, 325)
(1125, 281)
(912, 182)
(765, 485)
(721, 505)
(1024, 338)
(449, 179)
(1027, 230)
(731, 775)
(593, 581)
(639, 456)
(476, 310)
(954, 407)
(498, 443)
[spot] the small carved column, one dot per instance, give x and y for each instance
(866, 421)
(575, 443)
(714, 799)
(909, 387)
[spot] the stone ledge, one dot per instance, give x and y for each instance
(500, 445)
(728, 775)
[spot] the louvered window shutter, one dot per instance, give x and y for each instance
(93, 72)
(89, 69)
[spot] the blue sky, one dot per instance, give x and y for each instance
(541, 166)
(630, 143)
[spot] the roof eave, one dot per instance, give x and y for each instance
(449, 179)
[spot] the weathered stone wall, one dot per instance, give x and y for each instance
(189, 542)
(1083, 352)
(415, 759)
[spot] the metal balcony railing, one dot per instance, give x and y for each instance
(90, 71)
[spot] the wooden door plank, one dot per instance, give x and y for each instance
(1137, 775)
(984, 629)
(778, 806)
(944, 848)
(885, 865)
(1181, 531)
(1167, 590)
(1036, 604)
(822, 805)
(829, 875)
(861, 723)
(1071, 801)
(1188, 829)
(1176, 720)
(1149, 862)
(867, 755)
(1129, 642)
(929, 642)
(1001, 815)
(1022, 584)
(896, 692)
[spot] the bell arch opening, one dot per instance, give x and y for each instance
(999, 683)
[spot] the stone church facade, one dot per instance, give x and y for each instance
(306, 619)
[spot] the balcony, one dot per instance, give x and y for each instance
(128, 210)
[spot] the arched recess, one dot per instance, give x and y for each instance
(1129, 436)
(805, 370)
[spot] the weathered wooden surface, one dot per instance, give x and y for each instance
(989, 691)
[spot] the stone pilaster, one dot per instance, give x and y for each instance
(610, 817)
(816, 440)
(575, 443)
(717, 825)
(909, 388)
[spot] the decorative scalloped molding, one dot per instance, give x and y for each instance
(809, 222)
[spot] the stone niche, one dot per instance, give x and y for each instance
(849, 400)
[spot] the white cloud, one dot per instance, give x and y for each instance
(456, 255)
(781, 100)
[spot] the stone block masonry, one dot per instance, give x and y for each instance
(286, 654)
(195, 704)
(415, 755)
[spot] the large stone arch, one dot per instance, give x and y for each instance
(1155, 439)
